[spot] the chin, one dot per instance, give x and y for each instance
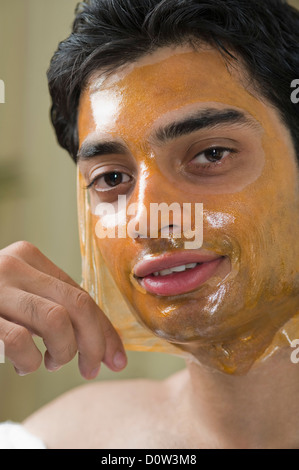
(208, 315)
(227, 340)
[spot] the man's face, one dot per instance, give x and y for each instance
(182, 126)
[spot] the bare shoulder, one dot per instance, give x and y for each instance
(110, 414)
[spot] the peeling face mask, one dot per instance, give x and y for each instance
(184, 129)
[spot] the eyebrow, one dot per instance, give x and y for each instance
(90, 150)
(203, 119)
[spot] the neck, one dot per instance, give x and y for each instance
(257, 410)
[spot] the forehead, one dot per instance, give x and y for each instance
(156, 88)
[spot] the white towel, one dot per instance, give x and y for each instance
(15, 436)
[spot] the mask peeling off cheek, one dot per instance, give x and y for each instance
(111, 223)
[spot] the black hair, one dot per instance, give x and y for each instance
(107, 34)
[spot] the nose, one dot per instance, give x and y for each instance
(155, 206)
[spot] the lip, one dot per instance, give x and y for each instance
(171, 260)
(179, 282)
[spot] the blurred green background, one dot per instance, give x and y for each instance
(38, 187)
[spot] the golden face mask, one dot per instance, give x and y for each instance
(98, 281)
(250, 205)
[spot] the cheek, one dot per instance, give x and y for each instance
(265, 235)
(117, 253)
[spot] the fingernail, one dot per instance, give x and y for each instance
(94, 372)
(20, 372)
(120, 360)
(52, 367)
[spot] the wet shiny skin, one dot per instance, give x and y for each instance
(251, 202)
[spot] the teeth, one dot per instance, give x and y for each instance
(176, 269)
(191, 265)
(164, 272)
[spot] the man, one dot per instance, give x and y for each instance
(187, 102)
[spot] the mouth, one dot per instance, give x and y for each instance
(178, 273)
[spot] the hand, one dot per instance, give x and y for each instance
(36, 297)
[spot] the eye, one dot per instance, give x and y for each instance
(212, 155)
(109, 181)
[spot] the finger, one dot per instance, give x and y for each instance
(97, 340)
(115, 356)
(26, 252)
(20, 348)
(96, 337)
(45, 318)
